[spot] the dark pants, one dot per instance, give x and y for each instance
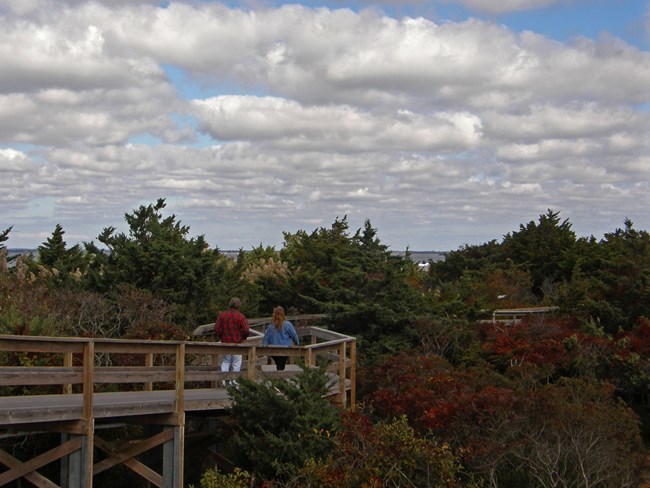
(280, 362)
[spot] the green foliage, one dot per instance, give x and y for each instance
(610, 281)
(65, 265)
(531, 404)
(237, 479)
(496, 287)
(157, 255)
(544, 249)
(354, 278)
(467, 258)
(27, 305)
(265, 280)
(281, 422)
(388, 453)
(4, 235)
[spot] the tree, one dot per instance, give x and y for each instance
(282, 422)
(467, 258)
(157, 255)
(496, 287)
(354, 278)
(544, 249)
(265, 280)
(4, 235)
(578, 435)
(65, 264)
(610, 283)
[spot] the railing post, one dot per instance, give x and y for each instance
(174, 449)
(67, 363)
(252, 362)
(179, 402)
(309, 357)
(148, 362)
(353, 372)
(216, 364)
(342, 394)
(86, 465)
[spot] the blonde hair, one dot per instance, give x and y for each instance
(278, 317)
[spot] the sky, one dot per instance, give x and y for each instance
(445, 123)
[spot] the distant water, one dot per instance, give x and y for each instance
(18, 251)
(423, 256)
(416, 256)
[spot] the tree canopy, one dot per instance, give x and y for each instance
(555, 399)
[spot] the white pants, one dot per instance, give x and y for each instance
(231, 362)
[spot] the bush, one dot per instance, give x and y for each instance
(281, 422)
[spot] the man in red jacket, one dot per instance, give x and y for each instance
(232, 328)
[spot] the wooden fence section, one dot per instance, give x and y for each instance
(67, 385)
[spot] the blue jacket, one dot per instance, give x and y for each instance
(284, 336)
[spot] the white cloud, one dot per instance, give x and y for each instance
(334, 128)
(271, 119)
(14, 161)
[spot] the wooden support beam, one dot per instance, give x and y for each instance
(34, 478)
(40, 461)
(173, 458)
(121, 455)
(62, 427)
(133, 464)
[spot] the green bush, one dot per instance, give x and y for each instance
(281, 422)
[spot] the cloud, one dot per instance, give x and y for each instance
(503, 6)
(289, 116)
(12, 161)
(334, 128)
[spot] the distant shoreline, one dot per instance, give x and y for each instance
(416, 256)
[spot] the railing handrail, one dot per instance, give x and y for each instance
(89, 347)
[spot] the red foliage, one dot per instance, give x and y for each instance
(538, 342)
(639, 338)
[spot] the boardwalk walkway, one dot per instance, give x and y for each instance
(71, 385)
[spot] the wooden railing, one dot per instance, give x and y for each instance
(72, 385)
(92, 365)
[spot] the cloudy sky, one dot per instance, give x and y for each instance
(444, 122)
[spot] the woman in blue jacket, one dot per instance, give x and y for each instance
(280, 332)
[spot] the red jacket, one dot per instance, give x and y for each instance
(231, 327)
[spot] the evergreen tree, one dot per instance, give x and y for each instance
(281, 422)
(544, 249)
(63, 266)
(4, 235)
(54, 249)
(354, 278)
(611, 280)
(157, 255)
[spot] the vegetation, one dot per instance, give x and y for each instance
(448, 397)
(280, 423)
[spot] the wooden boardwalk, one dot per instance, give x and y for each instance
(70, 385)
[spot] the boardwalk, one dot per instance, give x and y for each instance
(74, 385)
